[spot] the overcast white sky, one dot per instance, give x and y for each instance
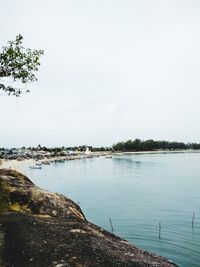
(112, 70)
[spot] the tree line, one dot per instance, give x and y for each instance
(81, 148)
(129, 146)
(150, 145)
(55, 150)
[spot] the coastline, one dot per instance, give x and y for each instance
(14, 164)
(42, 228)
(18, 165)
(186, 151)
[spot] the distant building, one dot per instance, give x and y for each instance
(87, 151)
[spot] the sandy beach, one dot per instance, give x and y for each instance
(16, 164)
(21, 165)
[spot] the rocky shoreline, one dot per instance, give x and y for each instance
(43, 229)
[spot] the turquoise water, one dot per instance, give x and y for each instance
(137, 191)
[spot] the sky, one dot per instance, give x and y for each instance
(112, 70)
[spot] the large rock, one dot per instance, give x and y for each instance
(43, 229)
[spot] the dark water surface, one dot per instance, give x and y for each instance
(137, 191)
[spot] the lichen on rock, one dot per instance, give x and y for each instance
(18, 193)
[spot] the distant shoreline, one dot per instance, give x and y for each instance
(157, 152)
(18, 165)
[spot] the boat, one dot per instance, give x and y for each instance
(108, 157)
(46, 162)
(59, 161)
(36, 167)
(38, 164)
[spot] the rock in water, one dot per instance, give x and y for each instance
(43, 229)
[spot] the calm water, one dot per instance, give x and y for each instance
(137, 192)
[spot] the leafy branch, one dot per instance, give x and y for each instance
(19, 64)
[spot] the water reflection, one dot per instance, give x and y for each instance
(129, 160)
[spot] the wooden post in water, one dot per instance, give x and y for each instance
(193, 215)
(112, 229)
(159, 235)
